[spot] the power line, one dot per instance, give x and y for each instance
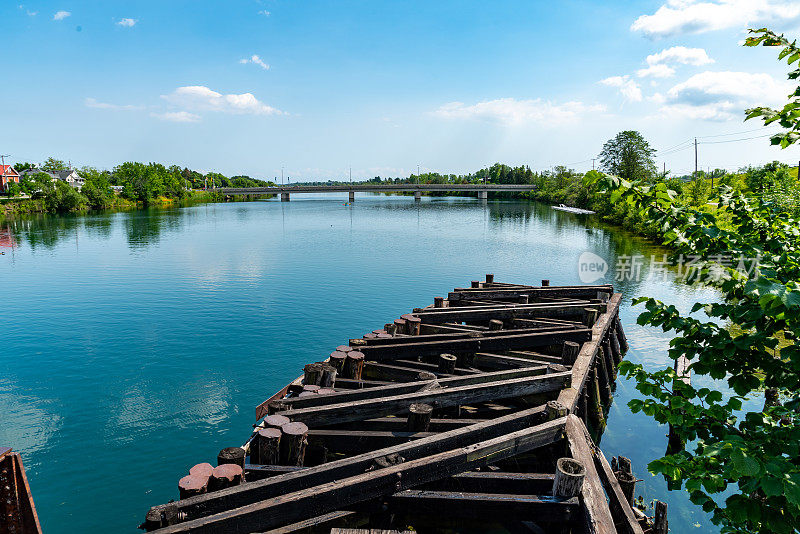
(732, 133)
(735, 140)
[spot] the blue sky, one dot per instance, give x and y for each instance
(246, 87)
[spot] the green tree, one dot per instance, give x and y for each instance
(748, 338)
(52, 165)
(96, 188)
(629, 156)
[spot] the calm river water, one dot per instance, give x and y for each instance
(135, 345)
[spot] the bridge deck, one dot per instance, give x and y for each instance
(373, 188)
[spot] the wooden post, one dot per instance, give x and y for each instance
(327, 376)
(266, 446)
(231, 455)
(524, 299)
(438, 302)
(447, 363)
(203, 469)
(660, 524)
(293, 443)
(570, 352)
(589, 317)
(275, 421)
(312, 388)
(604, 382)
(495, 324)
(225, 476)
(569, 478)
(413, 325)
(419, 417)
(616, 352)
(627, 482)
(489, 278)
(555, 410)
(596, 416)
(545, 283)
(476, 284)
(278, 406)
(611, 368)
(336, 360)
(623, 341)
(312, 374)
(400, 326)
(192, 485)
(353, 365)
(391, 329)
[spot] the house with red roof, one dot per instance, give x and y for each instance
(7, 175)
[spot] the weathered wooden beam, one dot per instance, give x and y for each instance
(620, 508)
(356, 441)
(485, 360)
(554, 310)
(511, 507)
(251, 492)
(318, 416)
(410, 387)
(589, 292)
(496, 332)
(496, 482)
(291, 507)
(597, 514)
(312, 525)
(479, 343)
(398, 424)
(585, 360)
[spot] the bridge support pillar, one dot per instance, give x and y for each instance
(483, 195)
(284, 197)
(417, 195)
(352, 196)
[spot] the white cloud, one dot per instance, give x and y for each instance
(199, 97)
(658, 64)
(264, 12)
(627, 87)
(28, 11)
(513, 111)
(127, 23)
(61, 15)
(656, 71)
(255, 60)
(690, 16)
(682, 55)
(93, 103)
(722, 95)
(177, 116)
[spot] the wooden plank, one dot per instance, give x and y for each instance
(533, 293)
(474, 344)
(597, 514)
(496, 482)
(621, 511)
(360, 343)
(583, 363)
(292, 507)
(251, 492)
(309, 526)
(411, 387)
(490, 506)
(318, 416)
(400, 423)
(500, 361)
(356, 441)
(449, 315)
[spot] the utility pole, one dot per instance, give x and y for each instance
(695, 158)
(417, 173)
(351, 174)
(665, 170)
(593, 163)
(281, 175)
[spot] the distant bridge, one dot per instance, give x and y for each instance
(417, 189)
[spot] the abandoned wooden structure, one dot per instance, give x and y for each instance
(480, 411)
(17, 512)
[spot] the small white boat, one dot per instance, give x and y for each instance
(569, 209)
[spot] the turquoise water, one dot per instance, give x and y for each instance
(138, 344)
